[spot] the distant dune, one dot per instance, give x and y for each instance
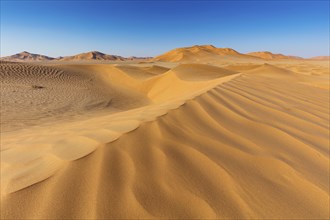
(88, 56)
(271, 56)
(194, 54)
(26, 56)
(93, 55)
(200, 53)
(137, 58)
(321, 58)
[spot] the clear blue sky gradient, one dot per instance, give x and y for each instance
(149, 28)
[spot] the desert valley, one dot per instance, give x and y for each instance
(197, 132)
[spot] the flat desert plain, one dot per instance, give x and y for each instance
(192, 138)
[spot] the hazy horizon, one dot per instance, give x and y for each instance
(150, 28)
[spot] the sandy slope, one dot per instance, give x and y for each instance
(321, 58)
(60, 139)
(92, 55)
(26, 56)
(202, 53)
(31, 92)
(271, 56)
(237, 141)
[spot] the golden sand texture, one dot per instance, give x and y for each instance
(202, 53)
(246, 140)
(30, 92)
(59, 140)
(271, 56)
(321, 58)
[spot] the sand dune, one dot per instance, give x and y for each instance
(92, 55)
(197, 72)
(201, 53)
(108, 97)
(26, 56)
(31, 92)
(207, 54)
(321, 58)
(142, 72)
(87, 56)
(271, 56)
(194, 141)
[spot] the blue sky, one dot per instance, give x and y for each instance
(148, 28)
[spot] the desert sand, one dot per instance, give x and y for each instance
(195, 133)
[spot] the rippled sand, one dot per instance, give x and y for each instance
(158, 140)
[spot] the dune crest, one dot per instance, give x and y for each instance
(200, 53)
(236, 141)
(321, 58)
(271, 56)
(92, 55)
(67, 141)
(26, 56)
(196, 53)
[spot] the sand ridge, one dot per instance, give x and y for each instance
(202, 53)
(236, 140)
(31, 91)
(270, 56)
(72, 140)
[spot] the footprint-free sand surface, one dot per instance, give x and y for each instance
(220, 140)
